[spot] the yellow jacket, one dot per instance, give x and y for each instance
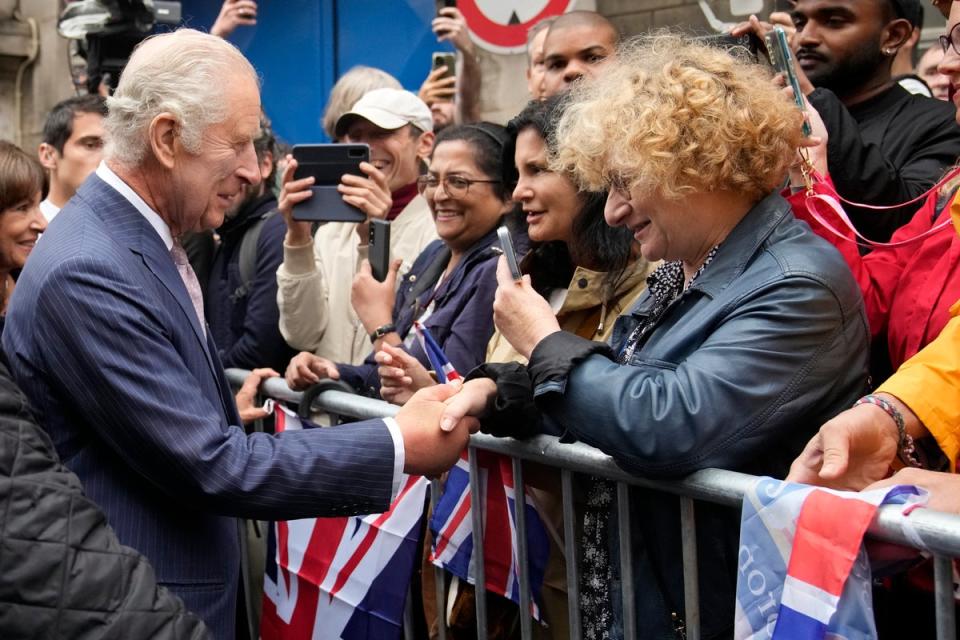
(929, 383)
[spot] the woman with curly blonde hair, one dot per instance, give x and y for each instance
(750, 333)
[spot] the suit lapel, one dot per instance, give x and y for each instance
(132, 230)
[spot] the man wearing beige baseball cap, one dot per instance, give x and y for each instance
(314, 296)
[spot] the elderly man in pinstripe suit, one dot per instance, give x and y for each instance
(105, 333)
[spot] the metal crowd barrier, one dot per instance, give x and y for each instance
(938, 532)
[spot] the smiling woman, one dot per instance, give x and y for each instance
(751, 329)
(23, 184)
(451, 284)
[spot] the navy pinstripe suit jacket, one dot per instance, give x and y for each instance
(102, 337)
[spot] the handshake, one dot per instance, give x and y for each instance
(437, 422)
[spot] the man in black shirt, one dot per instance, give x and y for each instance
(886, 146)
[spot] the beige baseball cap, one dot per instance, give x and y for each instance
(388, 109)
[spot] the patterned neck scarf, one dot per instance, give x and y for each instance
(665, 285)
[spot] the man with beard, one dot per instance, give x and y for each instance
(885, 145)
(241, 301)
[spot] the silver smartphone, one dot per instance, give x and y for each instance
(506, 244)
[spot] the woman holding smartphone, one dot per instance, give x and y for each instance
(451, 284)
(588, 271)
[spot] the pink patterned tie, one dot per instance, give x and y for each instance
(189, 278)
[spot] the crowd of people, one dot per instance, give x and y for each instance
(684, 303)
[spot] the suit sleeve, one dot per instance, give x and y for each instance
(101, 325)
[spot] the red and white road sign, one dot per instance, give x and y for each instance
(501, 26)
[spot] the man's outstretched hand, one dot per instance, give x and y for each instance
(429, 450)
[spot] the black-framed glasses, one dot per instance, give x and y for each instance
(453, 186)
(952, 39)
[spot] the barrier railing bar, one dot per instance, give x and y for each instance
(626, 560)
(691, 568)
(520, 515)
(439, 577)
(945, 604)
(476, 522)
(939, 532)
(570, 551)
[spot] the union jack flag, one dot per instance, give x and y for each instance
(438, 359)
(802, 572)
(453, 535)
(341, 577)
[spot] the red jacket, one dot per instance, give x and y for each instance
(908, 290)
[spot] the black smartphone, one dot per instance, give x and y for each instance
(745, 47)
(444, 4)
(506, 244)
(446, 60)
(781, 57)
(379, 248)
(327, 163)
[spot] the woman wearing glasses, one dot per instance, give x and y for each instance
(451, 284)
(587, 269)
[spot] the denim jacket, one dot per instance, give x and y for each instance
(742, 369)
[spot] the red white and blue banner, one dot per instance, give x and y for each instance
(442, 366)
(802, 571)
(453, 536)
(341, 577)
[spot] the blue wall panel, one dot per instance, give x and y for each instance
(300, 48)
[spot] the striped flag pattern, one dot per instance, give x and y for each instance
(802, 573)
(438, 359)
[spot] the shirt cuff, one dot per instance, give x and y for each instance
(398, 456)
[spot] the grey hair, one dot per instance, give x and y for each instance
(349, 88)
(183, 73)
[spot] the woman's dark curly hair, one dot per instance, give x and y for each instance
(596, 245)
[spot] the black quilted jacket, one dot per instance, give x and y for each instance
(63, 573)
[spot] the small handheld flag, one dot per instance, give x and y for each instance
(438, 359)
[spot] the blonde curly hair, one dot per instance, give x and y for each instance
(675, 117)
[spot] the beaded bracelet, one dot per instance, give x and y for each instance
(906, 448)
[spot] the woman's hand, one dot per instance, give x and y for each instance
(520, 313)
(294, 192)
(306, 369)
(371, 299)
(474, 400)
(248, 392)
(401, 375)
(851, 451)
